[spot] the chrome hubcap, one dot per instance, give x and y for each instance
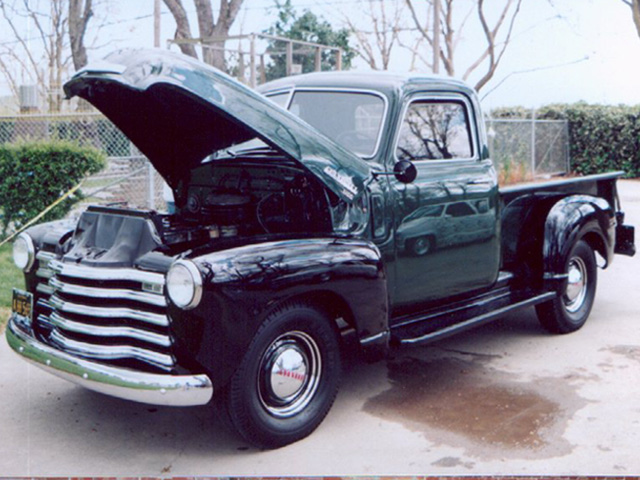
(422, 245)
(576, 290)
(289, 372)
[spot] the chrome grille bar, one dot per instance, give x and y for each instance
(109, 312)
(91, 273)
(119, 352)
(100, 331)
(110, 293)
(44, 258)
(44, 289)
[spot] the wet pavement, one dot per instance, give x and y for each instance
(506, 398)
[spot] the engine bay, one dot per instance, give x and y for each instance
(247, 198)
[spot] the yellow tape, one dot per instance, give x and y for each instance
(40, 215)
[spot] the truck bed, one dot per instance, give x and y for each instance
(600, 185)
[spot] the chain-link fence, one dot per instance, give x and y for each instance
(537, 147)
(257, 58)
(129, 178)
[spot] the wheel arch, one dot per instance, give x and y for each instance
(327, 301)
(243, 286)
(573, 218)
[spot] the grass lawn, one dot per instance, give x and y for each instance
(10, 277)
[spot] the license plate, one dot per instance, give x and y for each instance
(22, 303)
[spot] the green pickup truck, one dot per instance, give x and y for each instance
(326, 204)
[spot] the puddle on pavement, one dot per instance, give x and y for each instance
(632, 352)
(465, 403)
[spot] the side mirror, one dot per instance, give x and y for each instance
(405, 171)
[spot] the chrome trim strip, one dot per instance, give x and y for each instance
(110, 293)
(109, 312)
(100, 331)
(115, 352)
(374, 338)
(155, 389)
(92, 273)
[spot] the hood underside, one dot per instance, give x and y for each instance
(178, 111)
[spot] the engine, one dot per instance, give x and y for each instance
(249, 199)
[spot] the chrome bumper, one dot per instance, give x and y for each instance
(156, 389)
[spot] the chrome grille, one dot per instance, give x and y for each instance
(112, 315)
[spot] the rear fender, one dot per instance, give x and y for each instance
(571, 219)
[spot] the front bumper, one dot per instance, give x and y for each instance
(156, 389)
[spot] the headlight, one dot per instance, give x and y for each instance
(184, 284)
(24, 252)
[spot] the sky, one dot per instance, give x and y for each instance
(561, 50)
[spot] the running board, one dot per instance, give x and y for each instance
(474, 321)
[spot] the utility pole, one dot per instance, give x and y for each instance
(436, 36)
(156, 23)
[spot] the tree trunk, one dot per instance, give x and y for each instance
(635, 7)
(79, 17)
(183, 30)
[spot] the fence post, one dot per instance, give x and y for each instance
(252, 61)
(151, 201)
(533, 142)
(289, 57)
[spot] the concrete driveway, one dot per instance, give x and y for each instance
(507, 398)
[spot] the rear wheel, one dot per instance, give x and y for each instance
(570, 309)
(288, 378)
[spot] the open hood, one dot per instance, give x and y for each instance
(177, 111)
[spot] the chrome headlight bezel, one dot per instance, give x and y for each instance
(184, 284)
(29, 248)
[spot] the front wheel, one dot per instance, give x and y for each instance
(420, 246)
(570, 309)
(288, 378)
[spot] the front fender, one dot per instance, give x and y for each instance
(573, 218)
(243, 285)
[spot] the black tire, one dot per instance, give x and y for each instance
(271, 406)
(570, 309)
(420, 246)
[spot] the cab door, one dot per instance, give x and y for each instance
(446, 221)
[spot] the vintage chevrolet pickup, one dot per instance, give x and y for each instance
(329, 203)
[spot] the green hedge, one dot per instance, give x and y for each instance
(601, 137)
(33, 175)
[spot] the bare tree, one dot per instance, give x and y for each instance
(497, 34)
(38, 58)
(635, 12)
(375, 46)
(41, 54)
(212, 33)
(80, 12)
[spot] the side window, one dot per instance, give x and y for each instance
(460, 209)
(435, 130)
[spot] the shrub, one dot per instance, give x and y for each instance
(34, 175)
(602, 138)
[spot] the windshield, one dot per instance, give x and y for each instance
(352, 119)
